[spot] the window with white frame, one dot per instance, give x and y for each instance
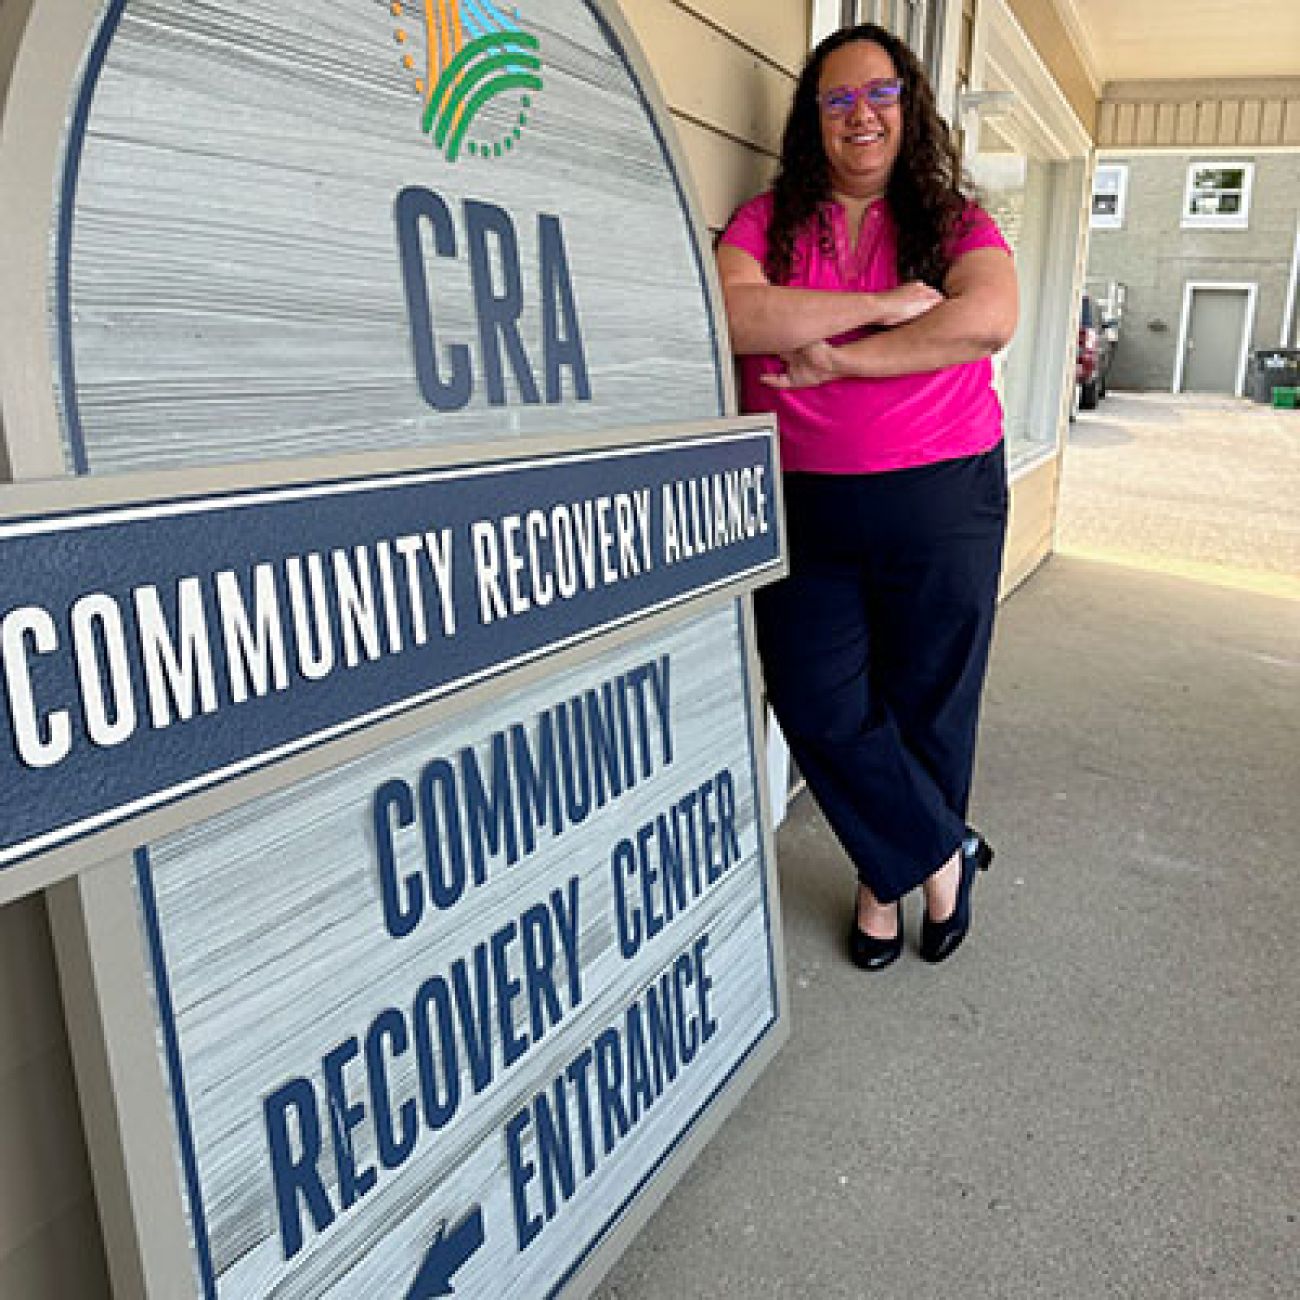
(905, 18)
(1109, 195)
(1218, 195)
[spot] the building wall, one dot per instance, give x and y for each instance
(1155, 257)
(726, 69)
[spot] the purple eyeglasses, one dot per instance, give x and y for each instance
(840, 101)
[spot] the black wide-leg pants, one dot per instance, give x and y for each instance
(875, 647)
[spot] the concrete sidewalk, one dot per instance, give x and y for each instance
(1100, 1094)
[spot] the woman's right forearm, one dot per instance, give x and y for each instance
(772, 319)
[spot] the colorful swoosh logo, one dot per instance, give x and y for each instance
(476, 73)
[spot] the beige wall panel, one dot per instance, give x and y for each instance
(31, 1015)
(725, 172)
(42, 1151)
(1207, 123)
(1185, 128)
(64, 1262)
(1031, 527)
(1125, 123)
(1145, 130)
(1106, 114)
(44, 1176)
(1291, 123)
(779, 31)
(1166, 123)
(1270, 122)
(1248, 131)
(708, 77)
(1047, 34)
(1230, 121)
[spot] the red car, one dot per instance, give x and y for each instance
(1092, 359)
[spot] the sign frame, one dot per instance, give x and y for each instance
(107, 990)
(68, 496)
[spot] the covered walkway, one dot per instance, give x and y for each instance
(1100, 1094)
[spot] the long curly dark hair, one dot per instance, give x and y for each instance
(924, 192)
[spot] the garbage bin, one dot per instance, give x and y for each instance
(1272, 368)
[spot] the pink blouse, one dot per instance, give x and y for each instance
(857, 426)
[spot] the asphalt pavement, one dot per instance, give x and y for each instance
(1099, 1095)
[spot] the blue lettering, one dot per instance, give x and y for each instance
(354, 1183)
(614, 1123)
(393, 1148)
(561, 339)
(554, 1146)
(522, 1171)
(446, 876)
(687, 1030)
(498, 309)
(474, 1008)
(433, 1006)
(403, 900)
(623, 863)
(654, 921)
(538, 780)
(296, 1177)
(490, 816)
(415, 206)
(703, 983)
(513, 1044)
(638, 1062)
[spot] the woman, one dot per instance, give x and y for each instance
(865, 296)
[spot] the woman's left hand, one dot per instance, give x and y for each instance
(806, 367)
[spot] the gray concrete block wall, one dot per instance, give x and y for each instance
(1155, 257)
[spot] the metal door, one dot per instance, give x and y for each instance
(1212, 353)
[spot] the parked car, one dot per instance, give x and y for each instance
(1096, 349)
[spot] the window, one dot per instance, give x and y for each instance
(907, 19)
(1218, 195)
(1109, 193)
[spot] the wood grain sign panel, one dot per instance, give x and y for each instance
(264, 223)
(382, 695)
(483, 991)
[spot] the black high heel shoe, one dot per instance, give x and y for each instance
(869, 953)
(940, 939)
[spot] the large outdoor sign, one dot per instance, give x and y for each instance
(486, 991)
(376, 665)
(153, 648)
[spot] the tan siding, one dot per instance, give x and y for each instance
(1270, 122)
(1248, 132)
(725, 173)
(1031, 528)
(1204, 115)
(1230, 122)
(1041, 23)
(1291, 123)
(1126, 121)
(44, 1177)
(64, 1263)
(780, 31)
(726, 69)
(706, 76)
(1207, 124)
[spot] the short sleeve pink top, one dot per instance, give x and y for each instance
(863, 426)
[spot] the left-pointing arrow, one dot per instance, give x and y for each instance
(448, 1251)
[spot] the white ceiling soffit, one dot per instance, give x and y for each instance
(1142, 40)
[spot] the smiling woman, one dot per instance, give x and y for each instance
(866, 293)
